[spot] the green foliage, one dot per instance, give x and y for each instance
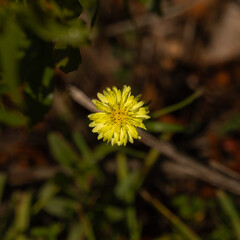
(39, 80)
(67, 57)
(36, 36)
(12, 118)
(95, 15)
(222, 232)
(229, 125)
(21, 221)
(49, 232)
(62, 151)
(190, 208)
(79, 202)
(230, 210)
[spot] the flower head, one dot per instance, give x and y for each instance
(120, 113)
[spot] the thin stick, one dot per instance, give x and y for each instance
(199, 171)
(205, 173)
(81, 98)
(222, 168)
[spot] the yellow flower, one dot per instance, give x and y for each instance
(120, 114)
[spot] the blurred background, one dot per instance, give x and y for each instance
(57, 181)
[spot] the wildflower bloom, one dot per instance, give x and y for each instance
(119, 115)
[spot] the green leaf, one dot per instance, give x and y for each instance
(230, 210)
(189, 207)
(172, 236)
(47, 192)
(221, 232)
(62, 151)
(61, 207)
(95, 15)
(82, 146)
(76, 232)
(49, 233)
(22, 211)
(114, 213)
(37, 71)
(133, 225)
(230, 125)
(126, 188)
(3, 85)
(122, 169)
(12, 43)
(67, 58)
(71, 32)
(92, 8)
(73, 6)
(2, 184)
(157, 127)
(12, 118)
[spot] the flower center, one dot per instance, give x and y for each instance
(119, 116)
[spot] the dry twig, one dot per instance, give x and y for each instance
(187, 164)
(150, 19)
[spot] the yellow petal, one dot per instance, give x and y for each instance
(97, 128)
(102, 97)
(132, 131)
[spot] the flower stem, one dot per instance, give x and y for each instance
(182, 227)
(178, 105)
